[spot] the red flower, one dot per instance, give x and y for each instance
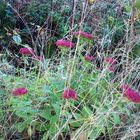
(26, 51)
(111, 60)
(84, 34)
(69, 94)
(40, 58)
(130, 93)
(89, 58)
(19, 91)
(112, 68)
(112, 63)
(64, 43)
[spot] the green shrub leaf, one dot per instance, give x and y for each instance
(17, 39)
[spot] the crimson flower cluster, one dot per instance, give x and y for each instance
(130, 93)
(19, 91)
(83, 34)
(64, 43)
(89, 58)
(26, 51)
(30, 52)
(69, 93)
(112, 63)
(68, 44)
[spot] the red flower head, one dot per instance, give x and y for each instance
(40, 58)
(112, 68)
(89, 58)
(64, 43)
(130, 93)
(112, 63)
(26, 51)
(19, 91)
(69, 94)
(111, 60)
(83, 34)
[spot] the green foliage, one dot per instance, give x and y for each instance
(113, 26)
(137, 4)
(7, 19)
(43, 109)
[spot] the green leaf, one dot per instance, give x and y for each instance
(29, 131)
(87, 111)
(17, 39)
(51, 114)
(116, 118)
(53, 130)
(45, 114)
(74, 123)
(110, 18)
(137, 4)
(96, 133)
(77, 116)
(41, 126)
(21, 126)
(45, 136)
(109, 129)
(128, 8)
